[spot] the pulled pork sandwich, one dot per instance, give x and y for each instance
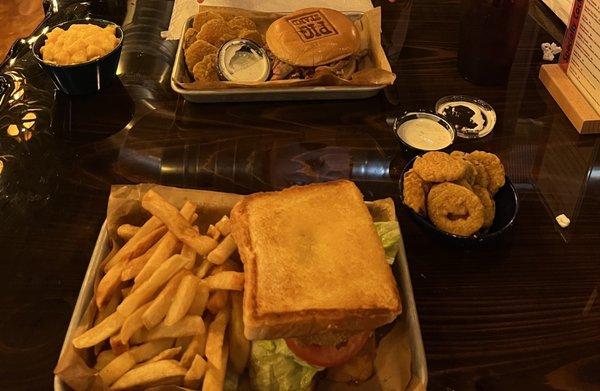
(311, 40)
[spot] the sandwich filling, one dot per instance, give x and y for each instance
(343, 68)
(292, 363)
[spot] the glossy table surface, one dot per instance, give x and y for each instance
(518, 314)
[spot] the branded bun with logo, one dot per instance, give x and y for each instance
(308, 40)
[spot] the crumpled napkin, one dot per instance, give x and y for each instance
(183, 9)
(550, 50)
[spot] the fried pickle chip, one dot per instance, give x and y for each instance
(439, 167)
(455, 209)
(241, 23)
(493, 167)
(252, 35)
(489, 206)
(471, 172)
(213, 30)
(482, 178)
(206, 70)
(464, 183)
(189, 37)
(196, 53)
(224, 38)
(414, 191)
(202, 17)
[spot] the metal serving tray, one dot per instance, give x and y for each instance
(264, 94)
(409, 311)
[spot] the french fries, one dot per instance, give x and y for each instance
(189, 325)
(100, 332)
(135, 266)
(215, 338)
(196, 346)
(222, 251)
(166, 354)
(149, 328)
(112, 278)
(224, 225)
(176, 223)
(154, 283)
(204, 268)
(127, 231)
(193, 377)
(163, 372)
(133, 323)
(160, 305)
(167, 248)
(200, 299)
(183, 299)
(239, 346)
(214, 378)
(217, 301)
(233, 281)
(133, 247)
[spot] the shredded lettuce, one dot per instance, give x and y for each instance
(389, 233)
(273, 367)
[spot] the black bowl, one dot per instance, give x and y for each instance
(88, 77)
(507, 207)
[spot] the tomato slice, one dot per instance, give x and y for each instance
(328, 355)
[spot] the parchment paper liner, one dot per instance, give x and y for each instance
(373, 69)
(393, 360)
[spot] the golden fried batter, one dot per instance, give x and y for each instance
(471, 173)
(241, 23)
(464, 183)
(206, 70)
(252, 35)
(493, 167)
(189, 37)
(439, 167)
(213, 30)
(414, 191)
(203, 17)
(196, 52)
(482, 178)
(455, 209)
(489, 206)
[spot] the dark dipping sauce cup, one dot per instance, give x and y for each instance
(87, 77)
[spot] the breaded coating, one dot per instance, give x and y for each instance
(454, 209)
(252, 35)
(489, 206)
(241, 23)
(189, 37)
(203, 17)
(206, 70)
(213, 30)
(493, 167)
(196, 52)
(414, 192)
(439, 167)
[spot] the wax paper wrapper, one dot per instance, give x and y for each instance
(373, 69)
(75, 367)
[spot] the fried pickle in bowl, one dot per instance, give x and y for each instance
(464, 211)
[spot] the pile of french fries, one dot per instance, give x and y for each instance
(169, 305)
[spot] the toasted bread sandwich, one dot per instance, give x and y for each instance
(316, 270)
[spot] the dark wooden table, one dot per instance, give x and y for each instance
(520, 314)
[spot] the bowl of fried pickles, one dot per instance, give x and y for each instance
(464, 198)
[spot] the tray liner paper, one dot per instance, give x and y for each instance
(75, 367)
(373, 69)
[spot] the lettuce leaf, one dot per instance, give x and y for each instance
(273, 367)
(389, 233)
